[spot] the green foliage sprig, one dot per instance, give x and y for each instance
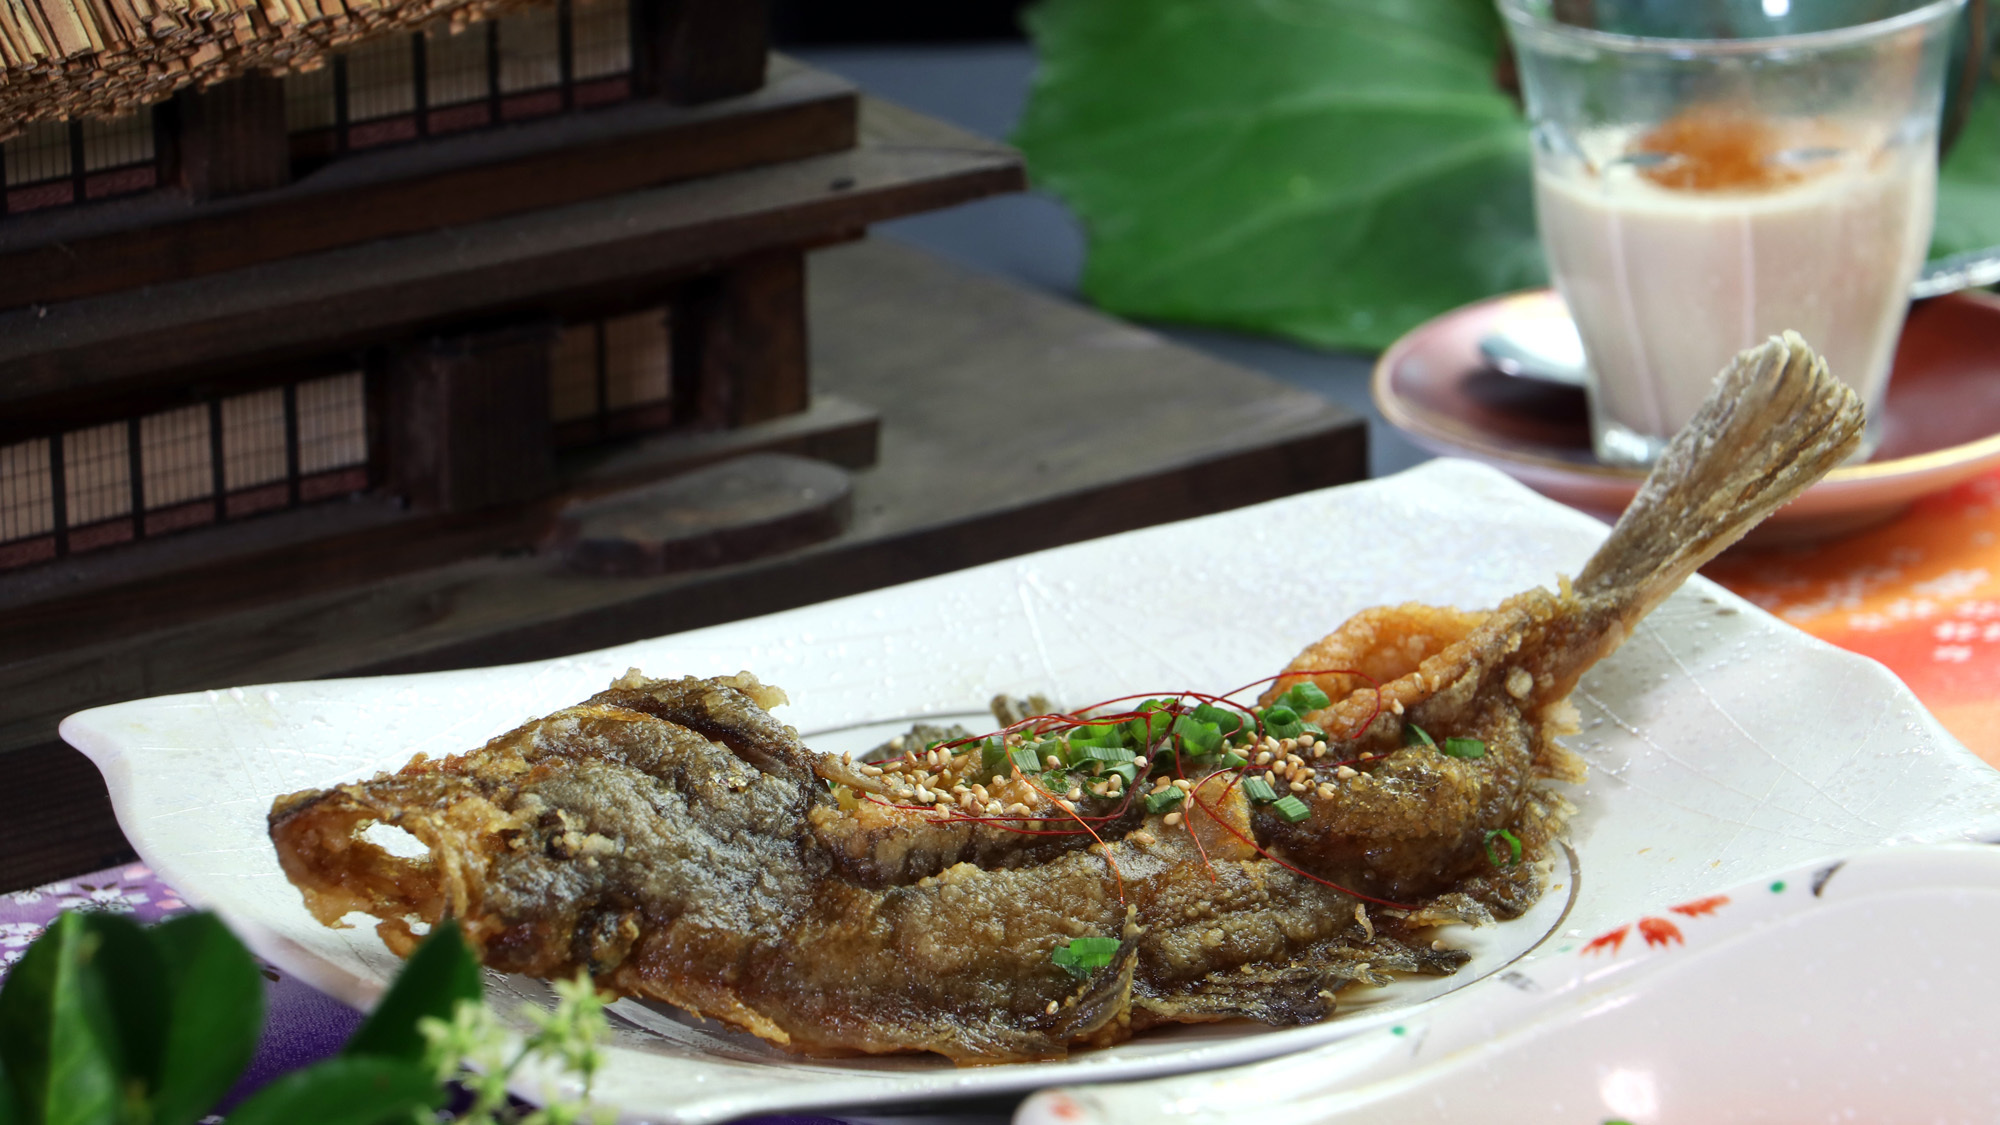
(105, 1022)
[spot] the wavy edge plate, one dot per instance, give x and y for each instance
(1851, 498)
(1708, 762)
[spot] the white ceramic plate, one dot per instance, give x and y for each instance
(1852, 989)
(1723, 745)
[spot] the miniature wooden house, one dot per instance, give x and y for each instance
(429, 258)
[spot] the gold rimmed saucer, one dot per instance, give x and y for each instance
(1940, 423)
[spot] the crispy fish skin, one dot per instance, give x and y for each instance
(670, 867)
(1419, 821)
(679, 843)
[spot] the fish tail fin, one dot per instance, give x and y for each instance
(1774, 423)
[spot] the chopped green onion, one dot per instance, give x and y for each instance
(1414, 735)
(1291, 808)
(1464, 748)
(1024, 759)
(1230, 759)
(1126, 770)
(1313, 729)
(1103, 734)
(1088, 753)
(1056, 780)
(1259, 790)
(1230, 723)
(993, 757)
(1201, 739)
(1085, 955)
(1513, 843)
(1281, 721)
(1160, 800)
(1304, 696)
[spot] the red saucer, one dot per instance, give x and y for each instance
(1941, 420)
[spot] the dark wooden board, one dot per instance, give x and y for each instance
(323, 302)
(744, 508)
(63, 254)
(1011, 421)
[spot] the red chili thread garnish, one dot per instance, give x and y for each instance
(1701, 907)
(1659, 931)
(1108, 857)
(1042, 725)
(1614, 941)
(1254, 846)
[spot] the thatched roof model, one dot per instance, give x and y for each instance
(102, 58)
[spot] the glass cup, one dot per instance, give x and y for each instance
(1709, 173)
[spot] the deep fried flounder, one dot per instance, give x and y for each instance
(680, 843)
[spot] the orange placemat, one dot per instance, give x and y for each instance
(1920, 594)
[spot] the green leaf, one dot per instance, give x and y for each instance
(217, 1013)
(1968, 202)
(1331, 170)
(436, 977)
(1414, 735)
(10, 1109)
(58, 1038)
(343, 1091)
(1259, 790)
(1163, 800)
(138, 998)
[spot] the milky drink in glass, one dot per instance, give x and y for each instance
(1709, 173)
(1673, 263)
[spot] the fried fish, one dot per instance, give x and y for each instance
(681, 844)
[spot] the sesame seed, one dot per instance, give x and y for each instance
(1289, 745)
(1326, 790)
(1307, 741)
(1141, 763)
(1183, 784)
(1052, 761)
(871, 771)
(1264, 758)
(965, 799)
(1270, 744)
(1319, 751)
(897, 742)
(1298, 786)
(1171, 819)
(993, 808)
(923, 794)
(1066, 806)
(1345, 772)
(1075, 793)
(1396, 706)
(1051, 1009)
(1367, 756)
(1144, 837)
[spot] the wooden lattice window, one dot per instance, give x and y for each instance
(530, 62)
(219, 459)
(52, 163)
(612, 376)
